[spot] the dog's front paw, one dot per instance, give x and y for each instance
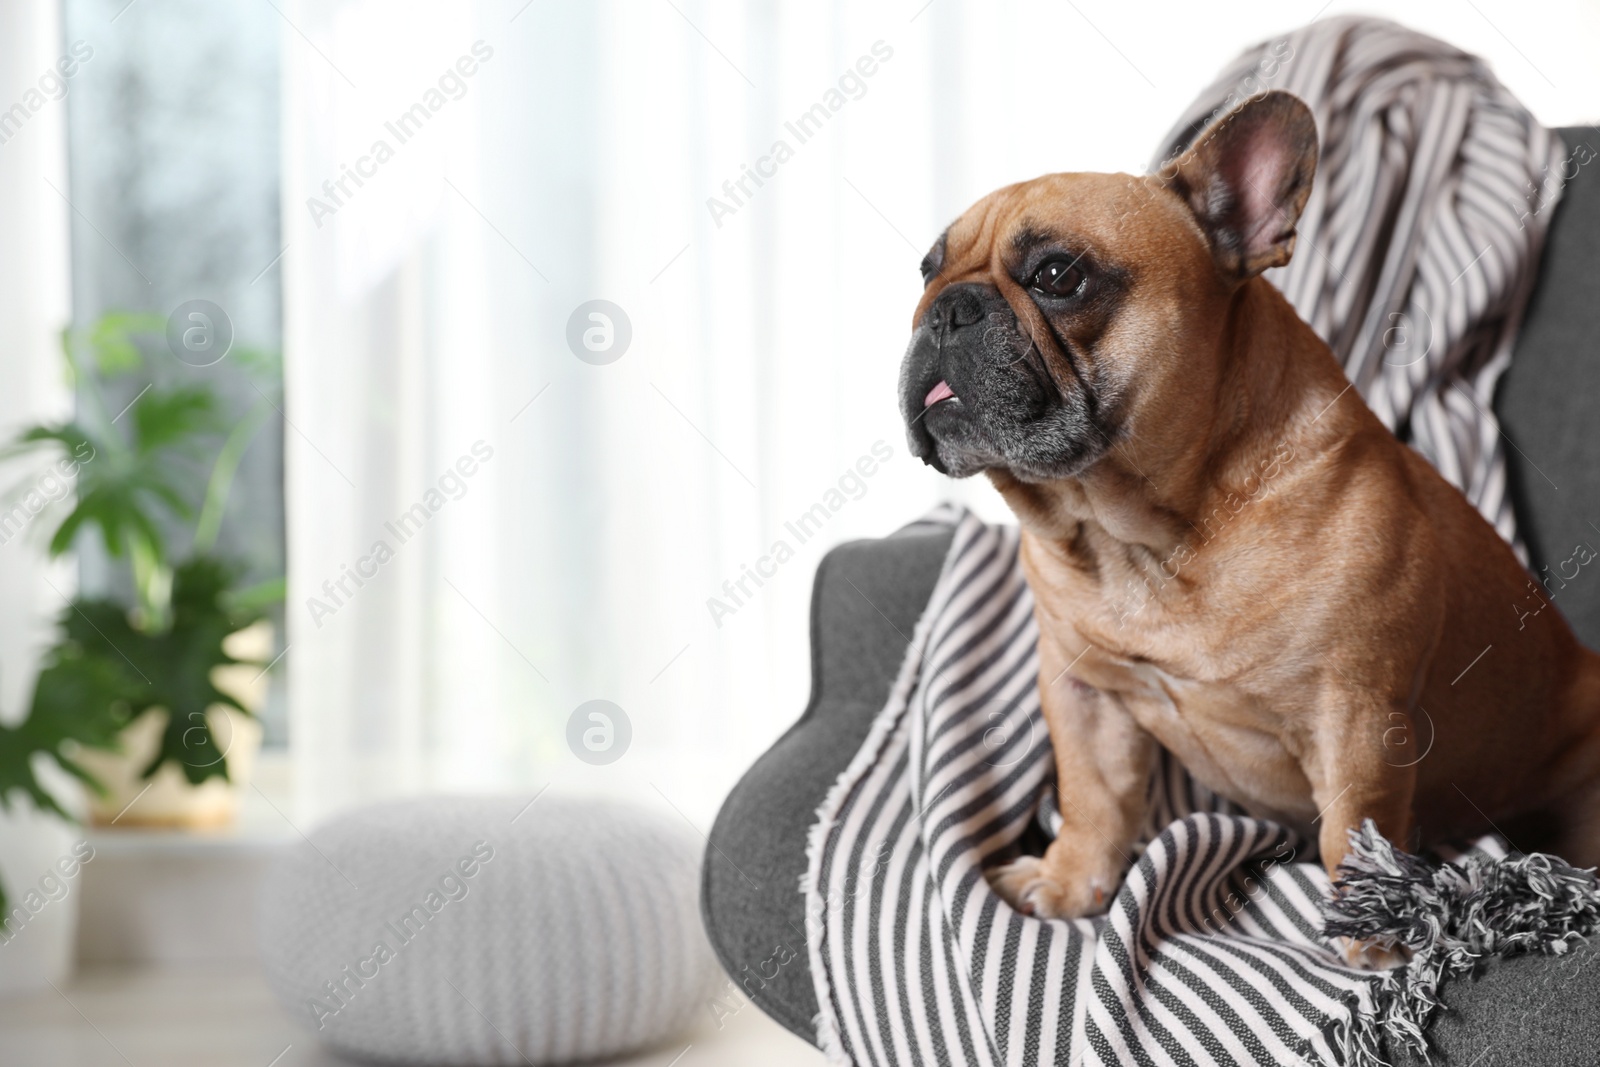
(1368, 954)
(1030, 886)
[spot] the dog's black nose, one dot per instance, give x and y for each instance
(957, 306)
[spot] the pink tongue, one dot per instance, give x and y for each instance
(942, 391)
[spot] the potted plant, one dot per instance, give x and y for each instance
(144, 696)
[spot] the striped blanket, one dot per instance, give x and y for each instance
(1213, 946)
(1420, 244)
(1415, 256)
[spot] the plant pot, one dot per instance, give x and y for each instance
(167, 799)
(43, 857)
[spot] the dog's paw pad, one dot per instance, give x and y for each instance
(1371, 955)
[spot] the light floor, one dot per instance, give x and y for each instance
(224, 1016)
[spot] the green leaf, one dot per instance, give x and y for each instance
(78, 771)
(69, 435)
(220, 484)
(156, 484)
(257, 598)
(144, 528)
(165, 418)
(77, 699)
(81, 697)
(106, 672)
(16, 770)
(67, 532)
(111, 340)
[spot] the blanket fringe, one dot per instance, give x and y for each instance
(829, 1036)
(1450, 916)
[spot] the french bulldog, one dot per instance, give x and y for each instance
(1231, 556)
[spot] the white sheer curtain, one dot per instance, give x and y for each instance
(34, 308)
(428, 307)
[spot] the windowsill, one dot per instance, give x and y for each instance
(261, 821)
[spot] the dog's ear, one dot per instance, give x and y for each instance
(1246, 177)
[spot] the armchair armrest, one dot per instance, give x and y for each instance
(865, 603)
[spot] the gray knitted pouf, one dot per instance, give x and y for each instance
(467, 930)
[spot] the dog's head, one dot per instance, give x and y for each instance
(1065, 313)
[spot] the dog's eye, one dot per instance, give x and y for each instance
(1058, 277)
(933, 262)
